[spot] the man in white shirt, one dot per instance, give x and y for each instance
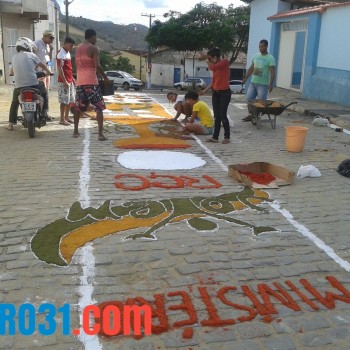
(44, 52)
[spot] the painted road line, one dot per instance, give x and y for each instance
(287, 215)
(240, 105)
(311, 236)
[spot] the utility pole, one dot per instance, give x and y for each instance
(67, 3)
(149, 63)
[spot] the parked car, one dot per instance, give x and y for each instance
(237, 87)
(124, 80)
(190, 83)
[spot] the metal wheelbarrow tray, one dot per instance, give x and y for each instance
(258, 108)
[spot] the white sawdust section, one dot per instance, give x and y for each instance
(86, 256)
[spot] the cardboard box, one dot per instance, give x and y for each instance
(283, 176)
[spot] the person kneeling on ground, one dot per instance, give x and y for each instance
(199, 110)
(180, 105)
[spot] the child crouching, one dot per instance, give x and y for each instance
(201, 111)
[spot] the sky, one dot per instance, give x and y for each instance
(130, 11)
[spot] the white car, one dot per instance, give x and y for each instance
(190, 83)
(237, 87)
(124, 80)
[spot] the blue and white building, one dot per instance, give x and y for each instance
(309, 43)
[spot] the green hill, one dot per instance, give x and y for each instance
(110, 36)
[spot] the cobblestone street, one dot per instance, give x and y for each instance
(214, 282)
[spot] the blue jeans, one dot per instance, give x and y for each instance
(257, 91)
(220, 100)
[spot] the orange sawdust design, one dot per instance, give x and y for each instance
(146, 114)
(102, 228)
(147, 138)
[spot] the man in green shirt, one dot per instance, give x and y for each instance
(262, 71)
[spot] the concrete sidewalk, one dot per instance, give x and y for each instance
(337, 114)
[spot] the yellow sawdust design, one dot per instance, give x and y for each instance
(102, 228)
(141, 122)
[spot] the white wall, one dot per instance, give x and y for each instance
(334, 49)
(259, 26)
(162, 74)
(2, 67)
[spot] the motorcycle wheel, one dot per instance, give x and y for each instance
(31, 128)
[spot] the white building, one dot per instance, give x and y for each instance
(28, 18)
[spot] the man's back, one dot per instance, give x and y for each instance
(24, 64)
(86, 69)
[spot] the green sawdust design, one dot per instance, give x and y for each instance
(201, 214)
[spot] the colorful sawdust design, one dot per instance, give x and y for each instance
(57, 242)
(140, 112)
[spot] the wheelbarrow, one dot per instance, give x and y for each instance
(258, 108)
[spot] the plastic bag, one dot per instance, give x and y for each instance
(344, 168)
(308, 171)
(320, 121)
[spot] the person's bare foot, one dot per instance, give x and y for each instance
(76, 135)
(9, 127)
(102, 138)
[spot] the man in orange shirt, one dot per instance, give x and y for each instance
(221, 93)
(87, 62)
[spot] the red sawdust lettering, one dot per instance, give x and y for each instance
(187, 333)
(336, 284)
(261, 304)
(145, 183)
(186, 306)
(172, 182)
(302, 296)
(214, 319)
(190, 181)
(178, 182)
(221, 295)
(329, 300)
(265, 291)
(265, 309)
(158, 311)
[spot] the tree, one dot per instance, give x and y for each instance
(108, 62)
(203, 27)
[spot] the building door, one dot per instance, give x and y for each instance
(177, 75)
(298, 60)
(291, 57)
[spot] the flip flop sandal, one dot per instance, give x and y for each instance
(102, 138)
(9, 128)
(64, 123)
(76, 135)
(212, 140)
(248, 118)
(224, 141)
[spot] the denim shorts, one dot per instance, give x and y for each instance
(257, 91)
(207, 131)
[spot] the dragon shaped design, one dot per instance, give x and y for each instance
(57, 242)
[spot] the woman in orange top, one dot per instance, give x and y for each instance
(221, 93)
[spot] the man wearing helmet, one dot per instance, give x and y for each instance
(24, 65)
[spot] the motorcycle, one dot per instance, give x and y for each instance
(32, 102)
